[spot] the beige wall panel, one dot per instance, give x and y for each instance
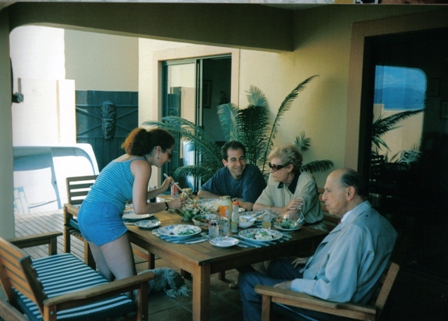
(67, 112)
(101, 62)
(6, 156)
(47, 114)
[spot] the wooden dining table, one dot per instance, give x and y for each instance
(203, 259)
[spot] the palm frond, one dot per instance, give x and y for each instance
(199, 140)
(383, 125)
(317, 166)
(227, 114)
(202, 172)
(285, 105)
(256, 97)
(252, 123)
(302, 142)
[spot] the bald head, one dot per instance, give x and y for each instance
(344, 189)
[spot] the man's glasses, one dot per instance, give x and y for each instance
(276, 167)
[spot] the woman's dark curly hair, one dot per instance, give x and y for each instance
(141, 141)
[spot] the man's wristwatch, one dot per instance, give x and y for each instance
(167, 207)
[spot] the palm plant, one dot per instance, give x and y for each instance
(383, 125)
(250, 126)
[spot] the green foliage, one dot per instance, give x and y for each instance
(250, 126)
(383, 125)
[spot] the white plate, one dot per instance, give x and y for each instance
(277, 226)
(132, 216)
(230, 241)
(251, 233)
(175, 229)
(147, 223)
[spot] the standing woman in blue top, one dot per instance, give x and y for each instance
(124, 179)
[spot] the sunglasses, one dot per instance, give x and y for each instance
(276, 167)
(170, 154)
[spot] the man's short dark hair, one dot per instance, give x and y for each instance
(353, 178)
(232, 145)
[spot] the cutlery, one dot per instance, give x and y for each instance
(189, 241)
(249, 243)
(180, 189)
(197, 241)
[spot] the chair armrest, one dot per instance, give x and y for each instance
(78, 298)
(49, 239)
(9, 313)
(307, 301)
(71, 209)
(292, 295)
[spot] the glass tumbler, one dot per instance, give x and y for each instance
(224, 228)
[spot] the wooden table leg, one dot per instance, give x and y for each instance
(201, 293)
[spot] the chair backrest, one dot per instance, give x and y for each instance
(16, 272)
(386, 283)
(78, 187)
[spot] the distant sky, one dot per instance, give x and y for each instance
(400, 88)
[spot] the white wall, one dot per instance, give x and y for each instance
(37, 53)
(99, 61)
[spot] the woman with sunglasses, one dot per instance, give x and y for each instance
(289, 191)
(124, 179)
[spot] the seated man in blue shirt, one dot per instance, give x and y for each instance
(345, 266)
(236, 179)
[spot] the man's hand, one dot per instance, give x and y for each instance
(284, 285)
(248, 206)
(299, 261)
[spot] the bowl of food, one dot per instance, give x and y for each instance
(246, 221)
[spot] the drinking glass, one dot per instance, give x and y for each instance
(224, 228)
(267, 221)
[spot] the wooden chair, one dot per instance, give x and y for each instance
(348, 310)
(77, 190)
(61, 286)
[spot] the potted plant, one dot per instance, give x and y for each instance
(251, 126)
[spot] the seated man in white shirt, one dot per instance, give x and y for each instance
(345, 266)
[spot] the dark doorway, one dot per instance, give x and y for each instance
(409, 177)
(192, 89)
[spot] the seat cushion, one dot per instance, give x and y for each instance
(65, 273)
(74, 223)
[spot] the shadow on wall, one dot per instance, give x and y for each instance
(40, 173)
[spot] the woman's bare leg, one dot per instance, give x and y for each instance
(115, 259)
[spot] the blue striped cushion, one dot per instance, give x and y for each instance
(64, 273)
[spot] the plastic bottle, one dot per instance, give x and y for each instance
(235, 217)
(225, 203)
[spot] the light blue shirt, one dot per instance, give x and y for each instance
(349, 261)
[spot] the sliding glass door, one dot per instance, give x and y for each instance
(192, 89)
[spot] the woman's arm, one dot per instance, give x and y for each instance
(142, 172)
(159, 190)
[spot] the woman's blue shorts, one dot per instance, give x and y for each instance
(101, 222)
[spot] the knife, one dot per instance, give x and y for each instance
(188, 241)
(197, 241)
